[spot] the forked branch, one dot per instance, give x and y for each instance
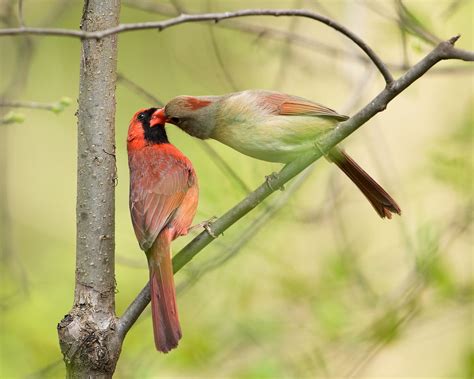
(216, 17)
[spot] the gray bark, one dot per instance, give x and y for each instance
(88, 334)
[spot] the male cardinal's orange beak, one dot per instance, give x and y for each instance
(158, 118)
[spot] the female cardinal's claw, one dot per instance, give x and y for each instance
(270, 178)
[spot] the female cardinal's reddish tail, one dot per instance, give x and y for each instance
(166, 328)
(163, 201)
(382, 202)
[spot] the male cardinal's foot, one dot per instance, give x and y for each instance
(206, 224)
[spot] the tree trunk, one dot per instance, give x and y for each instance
(88, 334)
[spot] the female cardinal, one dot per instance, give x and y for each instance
(274, 127)
(163, 201)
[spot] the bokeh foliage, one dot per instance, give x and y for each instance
(325, 288)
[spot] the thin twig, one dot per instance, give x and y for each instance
(54, 107)
(302, 41)
(216, 17)
(444, 50)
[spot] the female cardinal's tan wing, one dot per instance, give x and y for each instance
(287, 105)
(159, 183)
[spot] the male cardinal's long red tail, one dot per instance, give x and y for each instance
(166, 328)
(377, 196)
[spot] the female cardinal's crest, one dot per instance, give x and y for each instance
(194, 103)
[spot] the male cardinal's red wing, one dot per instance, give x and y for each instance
(156, 195)
(287, 105)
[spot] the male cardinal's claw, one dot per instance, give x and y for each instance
(206, 225)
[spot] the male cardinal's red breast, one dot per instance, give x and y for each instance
(163, 201)
(274, 127)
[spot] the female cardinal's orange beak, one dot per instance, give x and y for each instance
(158, 118)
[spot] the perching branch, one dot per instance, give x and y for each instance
(216, 17)
(444, 50)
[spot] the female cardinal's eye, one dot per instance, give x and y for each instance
(141, 116)
(175, 120)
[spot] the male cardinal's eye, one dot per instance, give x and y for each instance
(141, 116)
(175, 120)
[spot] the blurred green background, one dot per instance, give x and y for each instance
(310, 284)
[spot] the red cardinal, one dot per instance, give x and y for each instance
(274, 127)
(163, 201)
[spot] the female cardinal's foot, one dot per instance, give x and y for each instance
(206, 224)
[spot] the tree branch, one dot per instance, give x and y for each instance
(303, 41)
(444, 50)
(216, 17)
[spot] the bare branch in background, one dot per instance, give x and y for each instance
(55, 107)
(261, 32)
(216, 17)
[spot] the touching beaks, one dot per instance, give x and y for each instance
(158, 118)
